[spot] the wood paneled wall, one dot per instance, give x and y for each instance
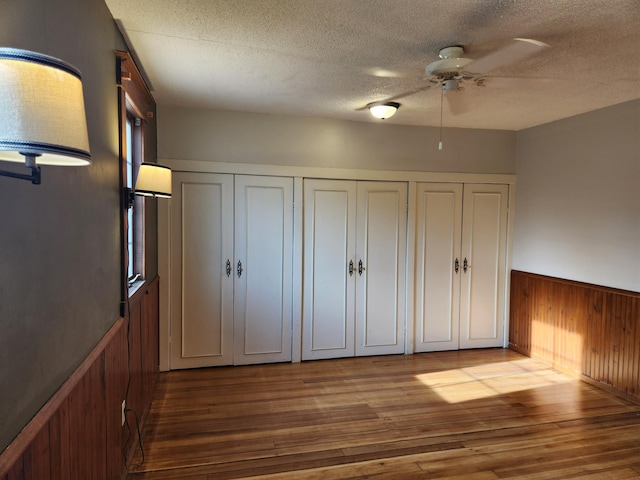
(78, 433)
(587, 330)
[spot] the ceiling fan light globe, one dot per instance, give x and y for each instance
(384, 111)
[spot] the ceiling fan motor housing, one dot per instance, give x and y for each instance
(447, 67)
(450, 65)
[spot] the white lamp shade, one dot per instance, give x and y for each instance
(41, 110)
(383, 111)
(153, 180)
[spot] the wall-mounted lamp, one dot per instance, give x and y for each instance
(153, 181)
(383, 110)
(42, 113)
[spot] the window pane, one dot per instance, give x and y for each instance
(130, 212)
(130, 162)
(131, 270)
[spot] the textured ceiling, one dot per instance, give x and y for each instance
(327, 58)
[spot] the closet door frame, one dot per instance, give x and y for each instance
(484, 256)
(438, 246)
(211, 310)
(262, 269)
(166, 270)
(381, 268)
(355, 304)
(328, 327)
(476, 297)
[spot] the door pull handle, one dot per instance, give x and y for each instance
(465, 265)
(228, 269)
(456, 265)
(360, 268)
(239, 269)
(351, 268)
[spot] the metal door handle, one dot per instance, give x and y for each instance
(360, 268)
(228, 268)
(351, 268)
(465, 265)
(239, 269)
(456, 265)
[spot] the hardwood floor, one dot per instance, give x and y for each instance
(475, 414)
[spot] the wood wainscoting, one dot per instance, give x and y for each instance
(583, 329)
(78, 433)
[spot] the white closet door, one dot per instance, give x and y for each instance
(439, 219)
(263, 269)
(484, 234)
(381, 265)
(201, 291)
(329, 238)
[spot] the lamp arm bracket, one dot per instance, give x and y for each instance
(34, 177)
(129, 197)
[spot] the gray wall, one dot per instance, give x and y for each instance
(192, 134)
(151, 205)
(60, 241)
(578, 198)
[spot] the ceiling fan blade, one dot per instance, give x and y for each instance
(518, 50)
(456, 102)
(385, 73)
(396, 97)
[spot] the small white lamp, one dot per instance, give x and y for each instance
(153, 181)
(42, 114)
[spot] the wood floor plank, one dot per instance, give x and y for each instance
(475, 414)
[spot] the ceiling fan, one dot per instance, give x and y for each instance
(453, 70)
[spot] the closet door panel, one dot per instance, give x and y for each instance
(202, 241)
(484, 245)
(329, 236)
(263, 289)
(380, 283)
(439, 219)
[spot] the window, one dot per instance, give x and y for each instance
(135, 215)
(135, 106)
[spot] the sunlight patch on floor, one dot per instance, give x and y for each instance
(485, 381)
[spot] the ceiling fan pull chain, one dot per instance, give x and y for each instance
(441, 102)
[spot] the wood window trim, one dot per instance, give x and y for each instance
(134, 99)
(130, 80)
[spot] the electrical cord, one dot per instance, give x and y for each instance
(126, 410)
(126, 398)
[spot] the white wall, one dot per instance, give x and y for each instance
(220, 136)
(578, 198)
(238, 142)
